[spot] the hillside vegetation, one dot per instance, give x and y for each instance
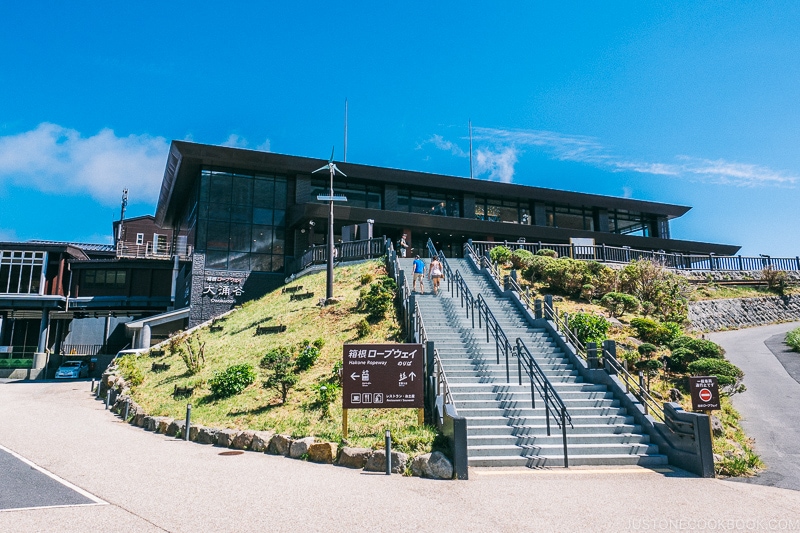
(303, 362)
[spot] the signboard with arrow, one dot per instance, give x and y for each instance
(382, 376)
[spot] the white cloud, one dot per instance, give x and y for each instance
(499, 164)
(55, 159)
(234, 141)
(505, 145)
(264, 147)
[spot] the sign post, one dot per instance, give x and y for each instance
(705, 397)
(382, 376)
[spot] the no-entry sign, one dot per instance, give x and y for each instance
(705, 393)
(382, 376)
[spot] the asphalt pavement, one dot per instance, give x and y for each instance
(770, 406)
(155, 483)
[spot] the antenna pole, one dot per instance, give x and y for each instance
(329, 285)
(122, 213)
(345, 131)
(470, 149)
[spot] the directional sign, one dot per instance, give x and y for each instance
(382, 376)
(705, 393)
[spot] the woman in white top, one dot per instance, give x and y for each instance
(435, 274)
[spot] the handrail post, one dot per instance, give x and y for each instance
(564, 436)
(547, 408)
(519, 368)
(505, 348)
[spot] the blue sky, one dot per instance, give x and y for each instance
(693, 103)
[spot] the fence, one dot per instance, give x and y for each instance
(673, 260)
(151, 250)
(343, 251)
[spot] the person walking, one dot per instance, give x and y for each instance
(418, 275)
(402, 245)
(436, 273)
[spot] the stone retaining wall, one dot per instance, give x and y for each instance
(736, 313)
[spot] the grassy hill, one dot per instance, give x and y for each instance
(260, 408)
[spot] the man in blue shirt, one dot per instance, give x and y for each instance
(419, 272)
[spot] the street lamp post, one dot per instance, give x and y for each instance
(331, 166)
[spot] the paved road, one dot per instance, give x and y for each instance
(771, 405)
(156, 483)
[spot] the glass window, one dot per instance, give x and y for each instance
(218, 234)
(238, 261)
(278, 242)
(261, 262)
(242, 192)
(264, 193)
(217, 260)
(262, 239)
(262, 215)
(220, 192)
(241, 213)
(240, 238)
(280, 193)
(205, 185)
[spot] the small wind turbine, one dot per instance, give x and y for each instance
(331, 166)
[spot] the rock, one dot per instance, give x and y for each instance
(439, 466)
(243, 440)
(138, 420)
(225, 437)
(206, 436)
(175, 428)
(354, 457)
(377, 462)
(716, 426)
(675, 395)
(419, 465)
(717, 458)
(300, 447)
(322, 452)
(162, 424)
(149, 423)
(279, 444)
(261, 441)
(194, 431)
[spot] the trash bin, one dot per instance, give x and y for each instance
(92, 363)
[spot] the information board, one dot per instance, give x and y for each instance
(705, 393)
(382, 376)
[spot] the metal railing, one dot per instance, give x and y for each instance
(442, 385)
(151, 250)
(562, 327)
(673, 260)
(343, 251)
(634, 386)
(553, 403)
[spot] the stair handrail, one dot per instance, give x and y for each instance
(482, 261)
(442, 385)
(634, 386)
(550, 395)
(486, 316)
(562, 327)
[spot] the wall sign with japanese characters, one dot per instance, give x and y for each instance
(222, 290)
(382, 376)
(705, 393)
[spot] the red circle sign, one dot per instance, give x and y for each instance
(705, 395)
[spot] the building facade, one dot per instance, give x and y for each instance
(247, 215)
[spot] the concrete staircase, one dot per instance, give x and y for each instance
(503, 429)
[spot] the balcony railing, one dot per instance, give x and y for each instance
(151, 250)
(674, 260)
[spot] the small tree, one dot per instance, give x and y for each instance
(521, 258)
(729, 376)
(281, 364)
(619, 303)
(588, 327)
(500, 254)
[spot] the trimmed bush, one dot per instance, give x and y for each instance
(680, 342)
(679, 359)
(308, 356)
(647, 349)
(378, 299)
(655, 332)
(666, 293)
(705, 349)
(793, 339)
(500, 255)
(588, 327)
(232, 380)
(547, 252)
(728, 375)
(521, 258)
(648, 366)
(619, 303)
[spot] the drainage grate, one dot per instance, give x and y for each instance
(235, 452)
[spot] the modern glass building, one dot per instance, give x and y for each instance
(247, 215)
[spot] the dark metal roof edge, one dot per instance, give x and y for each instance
(223, 156)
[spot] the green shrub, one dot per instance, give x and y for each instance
(367, 278)
(281, 364)
(587, 292)
(520, 259)
(319, 343)
(589, 327)
(547, 252)
(325, 393)
(308, 356)
(129, 370)
(535, 269)
(232, 380)
(793, 339)
(680, 342)
(619, 303)
(776, 279)
(500, 255)
(655, 332)
(705, 349)
(378, 299)
(649, 366)
(728, 375)
(362, 328)
(679, 359)
(665, 293)
(647, 349)
(190, 350)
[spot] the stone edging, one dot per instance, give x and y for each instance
(432, 465)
